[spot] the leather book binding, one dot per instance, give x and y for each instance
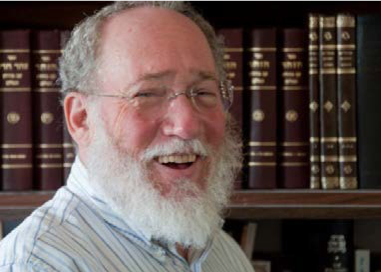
(233, 64)
(16, 111)
(263, 115)
(314, 102)
(47, 113)
(346, 98)
(328, 103)
(293, 144)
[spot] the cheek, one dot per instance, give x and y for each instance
(215, 129)
(131, 132)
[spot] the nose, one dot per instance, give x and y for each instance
(182, 119)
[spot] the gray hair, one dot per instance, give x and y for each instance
(79, 60)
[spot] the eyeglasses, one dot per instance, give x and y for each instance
(205, 96)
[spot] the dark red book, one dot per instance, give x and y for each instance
(314, 101)
(16, 111)
(233, 63)
(328, 101)
(263, 118)
(47, 111)
(293, 144)
(346, 96)
(68, 146)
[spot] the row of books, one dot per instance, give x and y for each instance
(36, 152)
(306, 99)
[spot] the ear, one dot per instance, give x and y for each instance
(76, 116)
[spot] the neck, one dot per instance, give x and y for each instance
(183, 251)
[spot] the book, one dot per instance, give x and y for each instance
(16, 111)
(47, 111)
(314, 101)
(248, 235)
(293, 143)
(263, 115)
(261, 265)
(368, 100)
(68, 145)
(362, 260)
(233, 64)
(328, 100)
(346, 98)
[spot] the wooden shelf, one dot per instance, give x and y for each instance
(251, 204)
(15, 205)
(269, 204)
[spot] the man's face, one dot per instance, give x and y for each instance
(166, 169)
(150, 48)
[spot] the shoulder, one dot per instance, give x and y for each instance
(226, 250)
(38, 241)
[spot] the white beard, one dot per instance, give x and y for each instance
(123, 182)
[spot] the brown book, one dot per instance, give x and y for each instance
(328, 100)
(233, 64)
(262, 75)
(293, 144)
(68, 146)
(314, 102)
(47, 110)
(16, 112)
(346, 96)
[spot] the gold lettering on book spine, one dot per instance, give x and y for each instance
(313, 21)
(327, 22)
(345, 20)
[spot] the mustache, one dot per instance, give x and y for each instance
(178, 146)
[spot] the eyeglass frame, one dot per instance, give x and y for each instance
(226, 90)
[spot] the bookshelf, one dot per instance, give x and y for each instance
(248, 204)
(245, 204)
(254, 205)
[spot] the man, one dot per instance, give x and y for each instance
(145, 100)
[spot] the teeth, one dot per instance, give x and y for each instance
(187, 158)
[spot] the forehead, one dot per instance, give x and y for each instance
(152, 40)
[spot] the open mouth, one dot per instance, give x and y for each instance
(177, 161)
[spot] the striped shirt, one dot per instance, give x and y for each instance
(76, 231)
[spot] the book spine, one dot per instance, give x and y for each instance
(314, 102)
(233, 64)
(328, 100)
(339, 246)
(346, 96)
(68, 145)
(47, 110)
(16, 110)
(293, 168)
(362, 260)
(368, 100)
(263, 89)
